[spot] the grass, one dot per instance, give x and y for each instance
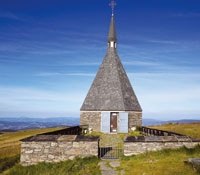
(10, 141)
(10, 145)
(78, 166)
(8, 162)
(191, 129)
(165, 162)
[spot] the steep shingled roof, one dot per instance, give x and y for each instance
(111, 89)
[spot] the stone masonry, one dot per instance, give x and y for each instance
(64, 148)
(92, 119)
(56, 148)
(156, 143)
(134, 119)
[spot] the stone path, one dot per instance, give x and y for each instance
(109, 167)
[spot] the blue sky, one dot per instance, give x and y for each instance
(50, 52)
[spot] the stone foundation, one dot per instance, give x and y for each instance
(64, 148)
(135, 148)
(92, 119)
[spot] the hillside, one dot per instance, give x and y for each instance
(189, 129)
(10, 145)
(165, 162)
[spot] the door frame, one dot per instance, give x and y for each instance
(116, 122)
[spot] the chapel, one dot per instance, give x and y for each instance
(111, 105)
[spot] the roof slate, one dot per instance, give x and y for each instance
(111, 89)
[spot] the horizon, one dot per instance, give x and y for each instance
(78, 117)
(50, 53)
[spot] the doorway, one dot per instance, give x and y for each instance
(113, 122)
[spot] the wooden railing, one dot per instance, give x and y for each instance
(157, 132)
(76, 130)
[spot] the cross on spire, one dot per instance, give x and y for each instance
(112, 5)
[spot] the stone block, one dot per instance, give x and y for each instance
(28, 151)
(53, 144)
(51, 156)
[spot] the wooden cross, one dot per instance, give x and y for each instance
(113, 4)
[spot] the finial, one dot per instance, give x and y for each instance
(112, 4)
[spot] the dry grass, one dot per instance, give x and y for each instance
(190, 129)
(78, 166)
(166, 162)
(10, 141)
(10, 145)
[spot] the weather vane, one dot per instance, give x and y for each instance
(113, 4)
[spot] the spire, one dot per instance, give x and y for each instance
(112, 36)
(111, 89)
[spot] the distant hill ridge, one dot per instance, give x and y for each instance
(20, 123)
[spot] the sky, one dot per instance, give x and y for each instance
(51, 50)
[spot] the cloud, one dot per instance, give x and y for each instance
(158, 41)
(82, 64)
(30, 99)
(140, 63)
(172, 94)
(9, 15)
(44, 74)
(189, 15)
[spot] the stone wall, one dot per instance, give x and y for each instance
(134, 148)
(134, 119)
(33, 152)
(93, 119)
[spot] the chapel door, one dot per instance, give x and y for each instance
(113, 122)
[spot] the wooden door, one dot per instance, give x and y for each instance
(113, 122)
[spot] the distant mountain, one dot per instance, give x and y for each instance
(7, 124)
(149, 122)
(21, 123)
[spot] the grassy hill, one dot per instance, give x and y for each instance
(10, 145)
(189, 129)
(166, 162)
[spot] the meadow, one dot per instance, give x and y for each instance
(10, 145)
(166, 162)
(189, 129)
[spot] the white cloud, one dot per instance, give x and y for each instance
(29, 99)
(140, 63)
(9, 15)
(44, 74)
(172, 94)
(191, 14)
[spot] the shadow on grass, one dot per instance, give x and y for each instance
(8, 162)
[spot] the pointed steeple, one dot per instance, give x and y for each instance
(112, 36)
(111, 89)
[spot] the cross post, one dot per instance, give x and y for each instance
(112, 5)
